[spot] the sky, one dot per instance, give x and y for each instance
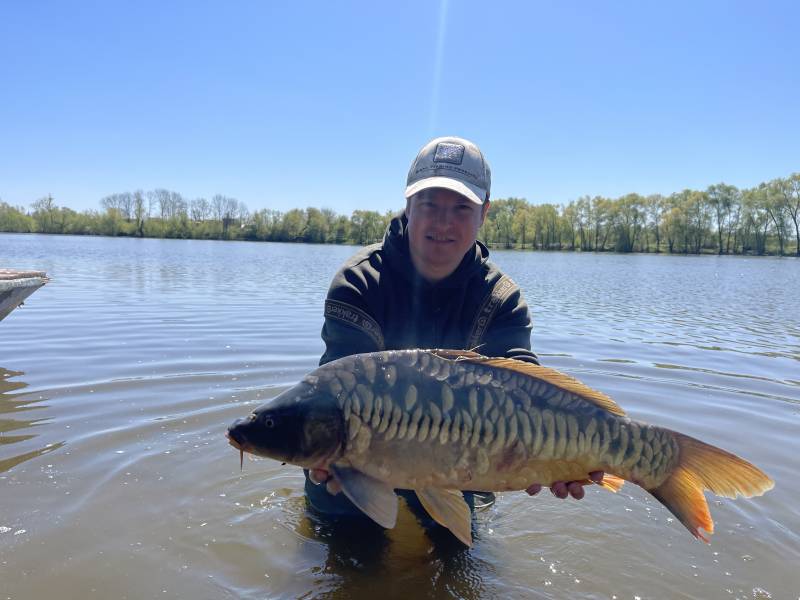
(292, 104)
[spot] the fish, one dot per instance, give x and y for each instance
(440, 421)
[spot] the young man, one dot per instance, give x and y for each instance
(429, 284)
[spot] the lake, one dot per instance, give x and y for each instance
(118, 380)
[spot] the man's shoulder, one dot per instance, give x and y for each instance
(492, 276)
(366, 258)
(361, 272)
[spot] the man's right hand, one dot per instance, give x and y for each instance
(323, 477)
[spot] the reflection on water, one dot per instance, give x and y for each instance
(141, 352)
(12, 403)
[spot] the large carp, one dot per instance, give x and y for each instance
(440, 421)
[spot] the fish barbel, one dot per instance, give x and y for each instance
(440, 421)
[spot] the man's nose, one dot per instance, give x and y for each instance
(444, 216)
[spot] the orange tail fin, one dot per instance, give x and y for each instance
(704, 467)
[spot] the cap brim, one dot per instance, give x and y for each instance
(471, 192)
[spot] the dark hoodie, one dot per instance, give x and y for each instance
(378, 301)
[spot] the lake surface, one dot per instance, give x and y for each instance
(119, 378)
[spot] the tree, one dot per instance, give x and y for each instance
(570, 220)
(14, 219)
(502, 212)
(789, 190)
(776, 209)
(585, 221)
(523, 224)
(316, 226)
(601, 209)
(654, 208)
(627, 218)
(722, 198)
(45, 214)
(366, 226)
(224, 210)
(756, 219)
(139, 211)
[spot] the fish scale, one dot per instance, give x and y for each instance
(499, 432)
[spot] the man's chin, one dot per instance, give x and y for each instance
(442, 261)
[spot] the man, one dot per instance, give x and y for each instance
(429, 284)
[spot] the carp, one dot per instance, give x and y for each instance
(440, 421)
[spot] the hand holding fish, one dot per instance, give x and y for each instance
(560, 489)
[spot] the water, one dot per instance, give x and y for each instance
(118, 379)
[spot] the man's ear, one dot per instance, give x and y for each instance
(408, 206)
(484, 210)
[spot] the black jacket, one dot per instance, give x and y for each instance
(377, 301)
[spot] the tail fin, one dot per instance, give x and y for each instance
(704, 467)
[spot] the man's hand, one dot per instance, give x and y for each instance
(560, 489)
(321, 476)
(563, 489)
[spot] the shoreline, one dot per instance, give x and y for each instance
(491, 246)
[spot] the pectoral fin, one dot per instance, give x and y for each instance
(449, 509)
(375, 498)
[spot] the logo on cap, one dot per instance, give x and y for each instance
(449, 153)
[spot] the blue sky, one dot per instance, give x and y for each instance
(325, 104)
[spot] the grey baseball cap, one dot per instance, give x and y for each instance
(452, 163)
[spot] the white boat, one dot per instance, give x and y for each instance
(15, 286)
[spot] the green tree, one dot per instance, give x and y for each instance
(789, 190)
(14, 219)
(776, 209)
(627, 217)
(756, 220)
(45, 214)
(316, 227)
(523, 224)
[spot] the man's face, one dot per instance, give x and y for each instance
(442, 226)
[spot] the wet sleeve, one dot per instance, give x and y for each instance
(350, 327)
(509, 333)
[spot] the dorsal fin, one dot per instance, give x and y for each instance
(556, 378)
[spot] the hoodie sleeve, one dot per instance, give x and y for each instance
(350, 327)
(509, 334)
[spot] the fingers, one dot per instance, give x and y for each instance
(320, 476)
(575, 489)
(564, 489)
(534, 489)
(333, 486)
(559, 489)
(597, 476)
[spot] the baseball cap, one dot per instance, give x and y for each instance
(452, 163)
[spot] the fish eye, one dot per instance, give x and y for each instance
(269, 422)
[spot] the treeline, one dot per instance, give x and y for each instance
(721, 219)
(167, 214)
